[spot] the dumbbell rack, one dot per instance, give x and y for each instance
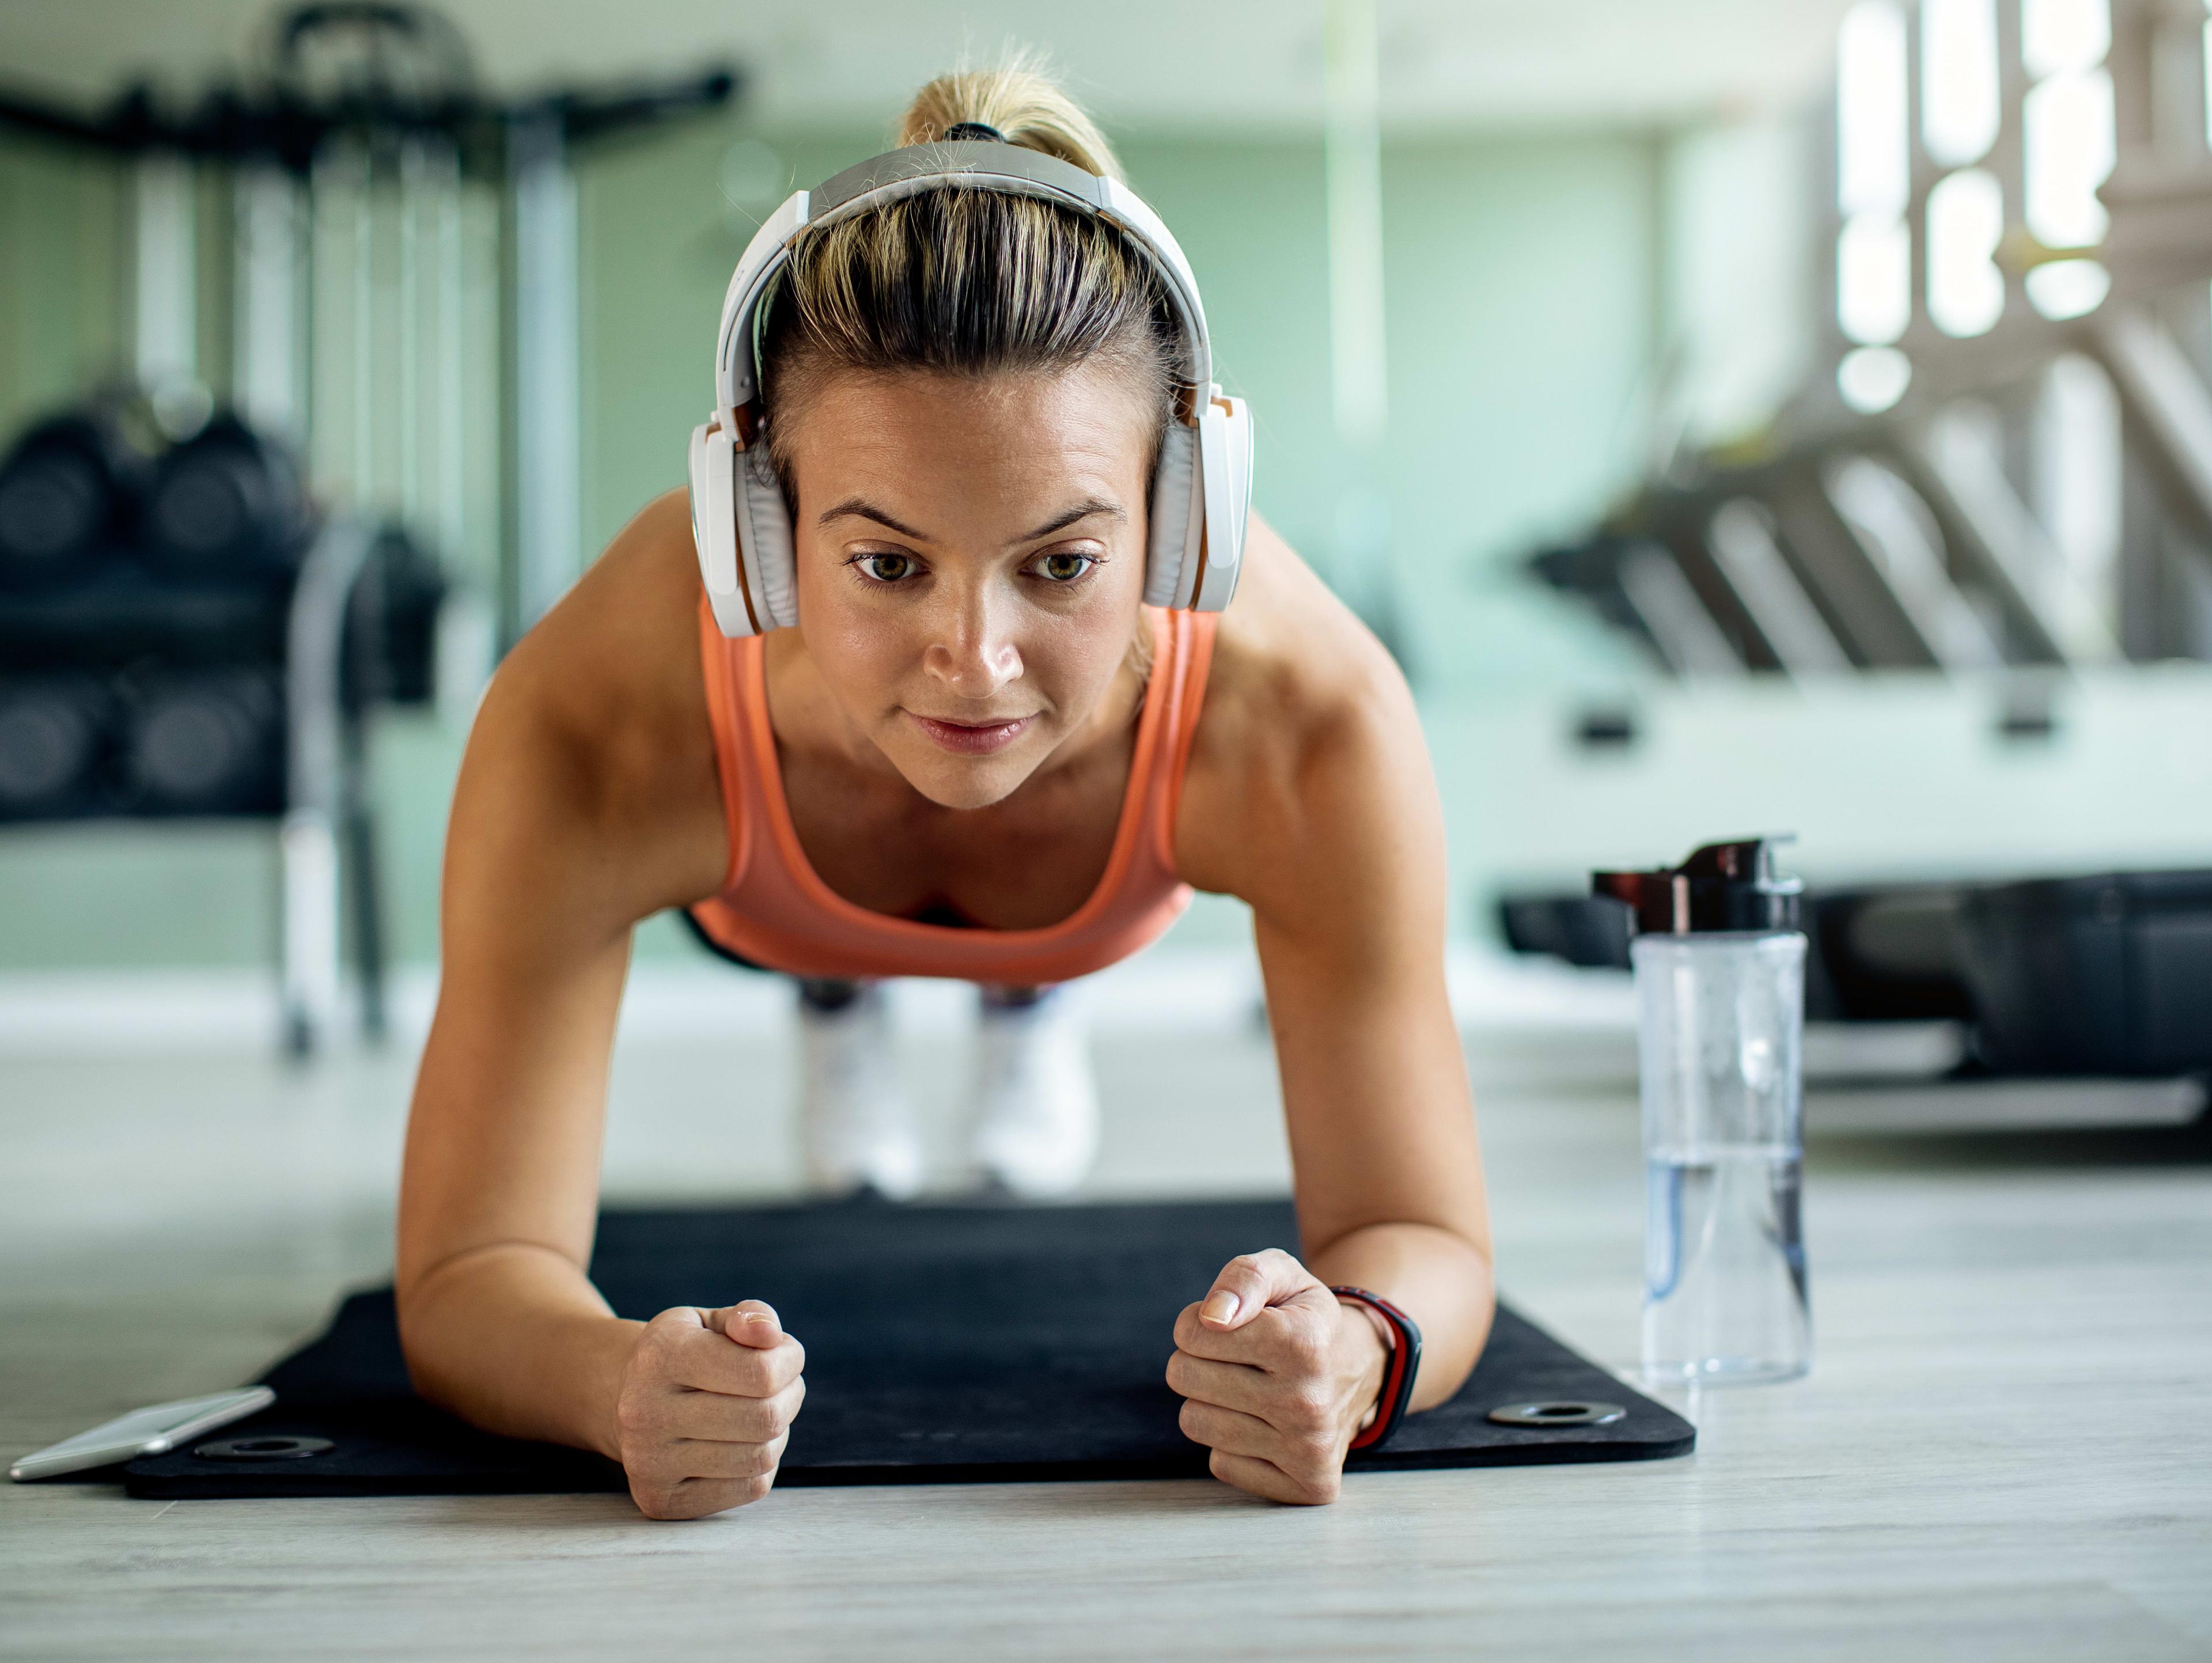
(99, 636)
(343, 105)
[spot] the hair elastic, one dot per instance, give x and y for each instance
(974, 129)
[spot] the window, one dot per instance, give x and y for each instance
(1958, 80)
(1965, 218)
(1874, 175)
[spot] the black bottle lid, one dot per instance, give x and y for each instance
(1723, 886)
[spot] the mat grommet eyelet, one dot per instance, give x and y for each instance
(269, 1447)
(1561, 1413)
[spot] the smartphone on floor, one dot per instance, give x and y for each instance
(150, 1431)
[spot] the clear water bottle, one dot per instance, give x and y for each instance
(1720, 990)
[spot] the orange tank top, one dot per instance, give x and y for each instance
(775, 911)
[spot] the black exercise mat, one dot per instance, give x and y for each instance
(943, 1345)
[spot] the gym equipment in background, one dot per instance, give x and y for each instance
(2111, 974)
(204, 743)
(55, 732)
(943, 1345)
(357, 125)
(69, 493)
(208, 579)
(226, 503)
(1581, 929)
(1889, 953)
(211, 651)
(392, 625)
(2106, 976)
(2022, 482)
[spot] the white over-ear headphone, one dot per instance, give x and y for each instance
(1201, 488)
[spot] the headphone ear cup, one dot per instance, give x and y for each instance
(1175, 489)
(764, 523)
(714, 528)
(1225, 480)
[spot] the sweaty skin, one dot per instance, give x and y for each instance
(955, 718)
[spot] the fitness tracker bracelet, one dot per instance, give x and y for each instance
(1398, 1377)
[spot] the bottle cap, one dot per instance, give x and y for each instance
(1723, 886)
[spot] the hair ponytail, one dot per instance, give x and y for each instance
(1025, 106)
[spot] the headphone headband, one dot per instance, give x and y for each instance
(1012, 169)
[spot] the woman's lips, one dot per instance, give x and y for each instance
(972, 738)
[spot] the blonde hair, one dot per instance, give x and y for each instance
(1023, 103)
(967, 282)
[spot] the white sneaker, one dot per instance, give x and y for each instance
(856, 1123)
(1035, 1130)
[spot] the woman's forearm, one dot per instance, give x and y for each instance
(514, 1337)
(1441, 1280)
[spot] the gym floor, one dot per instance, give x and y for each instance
(2000, 1451)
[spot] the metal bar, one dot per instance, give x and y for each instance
(1674, 617)
(2008, 156)
(1352, 159)
(1903, 544)
(363, 335)
(2166, 400)
(1848, 586)
(1994, 532)
(266, 377)
(308, 857)
(165, 334)
(319, 786)
(1922, 173)
(1740, 535)
(365, 892)
(49, 121)
(1352, 155)
(450, 451)
(412, 186)
(547, 529)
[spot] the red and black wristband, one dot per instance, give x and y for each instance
(1398, 1377)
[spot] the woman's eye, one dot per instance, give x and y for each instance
(887, 569)
(1066, 567)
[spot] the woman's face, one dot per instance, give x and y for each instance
(970, 562)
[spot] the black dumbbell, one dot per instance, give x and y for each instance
(392, 622)
(226, 505)
(69, 491)
(53, 736)
(209, 743)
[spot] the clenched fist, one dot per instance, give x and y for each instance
(1278, 1375)
(706, 1405)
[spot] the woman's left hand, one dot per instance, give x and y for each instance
(1279, 1374)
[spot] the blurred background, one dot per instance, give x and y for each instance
(1737, 417)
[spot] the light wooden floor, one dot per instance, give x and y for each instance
(2002, 1451)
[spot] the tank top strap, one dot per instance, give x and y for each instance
(729, 673)
(1192, 636)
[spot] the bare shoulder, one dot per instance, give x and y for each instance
(594, 731)
(1309, 751)
(610, 651)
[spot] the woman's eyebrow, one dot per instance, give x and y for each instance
(1083, 510)
(859, 508)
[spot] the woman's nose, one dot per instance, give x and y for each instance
(970, 658)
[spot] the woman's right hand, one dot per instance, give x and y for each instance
(705, 1405)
